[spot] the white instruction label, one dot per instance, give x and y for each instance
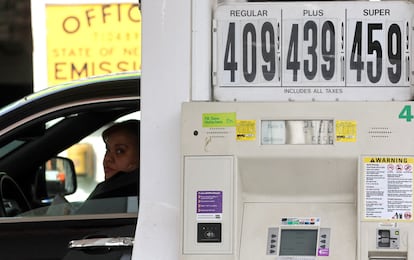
(388, 187)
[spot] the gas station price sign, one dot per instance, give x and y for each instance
(313, 51)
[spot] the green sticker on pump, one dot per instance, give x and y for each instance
(219, 119)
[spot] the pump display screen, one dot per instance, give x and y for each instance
(313, 132)
(298, 242)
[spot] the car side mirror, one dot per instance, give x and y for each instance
(60, 177)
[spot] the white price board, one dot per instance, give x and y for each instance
(313, 51)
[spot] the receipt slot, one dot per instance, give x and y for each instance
(297, 180)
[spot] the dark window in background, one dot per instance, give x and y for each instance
(16, 45)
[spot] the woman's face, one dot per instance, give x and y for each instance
(121, 153)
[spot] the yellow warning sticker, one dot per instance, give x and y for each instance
(388, 159)
(246, 130)
(346, 130)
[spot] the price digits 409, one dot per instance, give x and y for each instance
(327, 51)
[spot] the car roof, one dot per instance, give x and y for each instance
(122, 84)
(82, 107)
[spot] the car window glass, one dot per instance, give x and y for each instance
(89, 207)
(87, 156)
(53, 122)
(11, 146)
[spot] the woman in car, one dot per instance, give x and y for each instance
(121, 161)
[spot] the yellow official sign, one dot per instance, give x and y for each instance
(92, 39)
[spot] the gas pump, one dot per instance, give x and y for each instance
(277, 181)
(307, 150)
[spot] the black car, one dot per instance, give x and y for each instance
(50, 146)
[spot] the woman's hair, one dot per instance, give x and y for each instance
(131, 126)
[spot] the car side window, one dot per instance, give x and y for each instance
(88, 156)
(85, 160)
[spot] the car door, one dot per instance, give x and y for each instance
(101, 229)
(50, 128)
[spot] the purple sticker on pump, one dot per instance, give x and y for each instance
(209, 202)
(323, 252)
